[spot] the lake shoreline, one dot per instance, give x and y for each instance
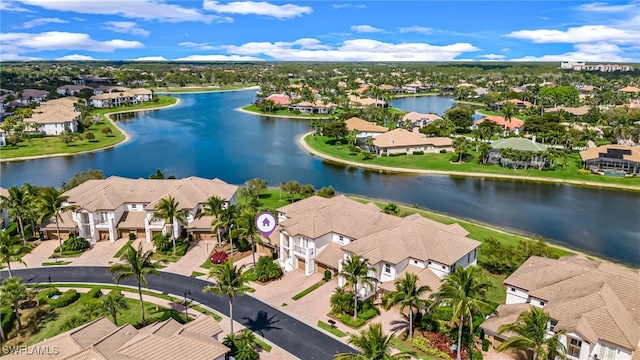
(283, 116)
(206, 92)
(127, 136)
(390, 169)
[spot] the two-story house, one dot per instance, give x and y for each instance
(596, 304)
(114, 207)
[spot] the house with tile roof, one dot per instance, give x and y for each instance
(612, 159)
(365, 128)
(111, 208)
(513, 124)
(419, 120)
(596, 304)
(316, 107)
(319, 233)
(401, 141)
(101, 339)
(55, 116)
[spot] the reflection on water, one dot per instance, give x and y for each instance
(205, 136)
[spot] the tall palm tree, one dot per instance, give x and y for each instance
(247, 229)
(373, 345)
(464, 290)
(136, 264)
(509, 110)
(226, 221)
(355, 270)
(112, 303)
(10, 251)
(17, 202)
(11, 292)
(167, 209)
(213, 207)
(229, 281)
(530, 331)
(407, 293)
(50, 204)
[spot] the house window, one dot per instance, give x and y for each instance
(104, 216)
(512, 289)
(573, 348)
(469, 257)
(552, 325)
(134, 206)
(144, 206)
(341, 238)
(444, 267)
(606, 352)
(387, 268)
(541, 303)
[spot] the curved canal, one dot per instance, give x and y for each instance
(205, 136)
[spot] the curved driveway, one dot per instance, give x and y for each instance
(286, 332)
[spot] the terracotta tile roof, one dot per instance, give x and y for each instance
(65, 223)
(415, 116)
(365, 101)
(364, 126)
(594, 152)
(133, 220)
(516, 102)
(330, 255)
(279, 99)
(404, 138)
(500, 120)
(599, 300)
(578, 111)
(110, 193)
(204, 325)
(178, 347)
(507, 314)
(632, 89)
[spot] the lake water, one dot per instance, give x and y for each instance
(205, 136)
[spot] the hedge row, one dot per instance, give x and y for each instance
(45, 295)
(7, 318)
(66, 298)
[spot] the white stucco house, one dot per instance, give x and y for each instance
(365, 128)
(596, 304)
(55, 116)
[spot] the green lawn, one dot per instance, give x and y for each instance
(123, 249)
(324, 326)
(197, 273)
(58, 263)
(306, 291)
(402, 346)
(272, 198)
(495, 113)
(442, 162)
(52, 324)
(53, 145)
(498, 294)
(285, 112)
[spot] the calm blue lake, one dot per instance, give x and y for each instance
(205, 136)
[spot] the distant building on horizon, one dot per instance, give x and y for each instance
(579, 66)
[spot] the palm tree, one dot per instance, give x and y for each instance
(213, 207)
(17, 202)
(229, 281)
(11, 292)
(509, 110)
(10, 251)
(461, 145)
(464, 290)
(167, 210)
(226, 221)
(50, 204)
(112, 303)
(373, 345)
(135, 264)
(247, 229)
(484, 151)
(530, 331)
(407, 293)
(355, 270)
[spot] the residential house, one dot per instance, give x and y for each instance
(31, 95)
(519, 144)
(401, 141)
(55, 116)
(365, 128)
(577, 111)
(616, 160)
(101, 339)
(630, 90)
(279, 99)
(318, 234)
(514, 125)
(107, 89)
(121, 97)
(420, 120)
(71, 89)
(316, 107)
(595, 303)
(521, 104)
(112, 208)
(361, 102)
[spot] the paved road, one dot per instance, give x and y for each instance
(290, 334)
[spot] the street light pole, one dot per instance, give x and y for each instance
(186, 314)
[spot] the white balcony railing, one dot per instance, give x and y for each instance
(307, 253)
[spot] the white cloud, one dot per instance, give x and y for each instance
(505, 49)
(150, 58)
(218, 58)
(263, 8)
(492, 57)
(10, 56)
(200, 46)
(8, 5)
(365, 29)
(43, 21)
(347, 5)
(350, 50)
(126, 27)
(19, 43)
(133, 9)
(580, 34)
(76, 57)
(596, 52)
(416, 29)
(601, 7)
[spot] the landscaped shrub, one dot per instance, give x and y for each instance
(418, 152)
(367, 311)
(219, 257)
(75, 243)
(454, 157)
(45, 295)
(348, 320)
(384, 154)
(341, 302)
(476, 355)
(485, 345)
(327, 275)
(367, 155)
(95, 292)
(162, 242)
(443, 151)
(584, 172)
(7, 318)
(182, 246)
(67, 298)
(132, 236)
(266, 269)
(397, 154)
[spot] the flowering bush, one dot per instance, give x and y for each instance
(219, 257)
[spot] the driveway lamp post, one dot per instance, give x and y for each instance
(186, 307)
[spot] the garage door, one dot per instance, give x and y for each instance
(301, 264)
(123, 234)
(103, 235)
(141, 234)
(53, 234)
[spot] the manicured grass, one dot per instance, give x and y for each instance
(498, 293)
(202, 310)
(308, 290)
(61, 256)
(196, 274)
(56, 263)
(495, 113)
(324, 326)
(272, 198)
(263, 345)
(53, 145)
(442, 162)
(476, 231)
(201, 89)
(250, 275)
(402, 346)
(123, 249)
(52, 324)
(286, 112)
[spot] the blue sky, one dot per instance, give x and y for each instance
(320, 30)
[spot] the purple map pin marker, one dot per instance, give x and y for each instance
(266, 223)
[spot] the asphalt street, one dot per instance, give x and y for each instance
(283, 330)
